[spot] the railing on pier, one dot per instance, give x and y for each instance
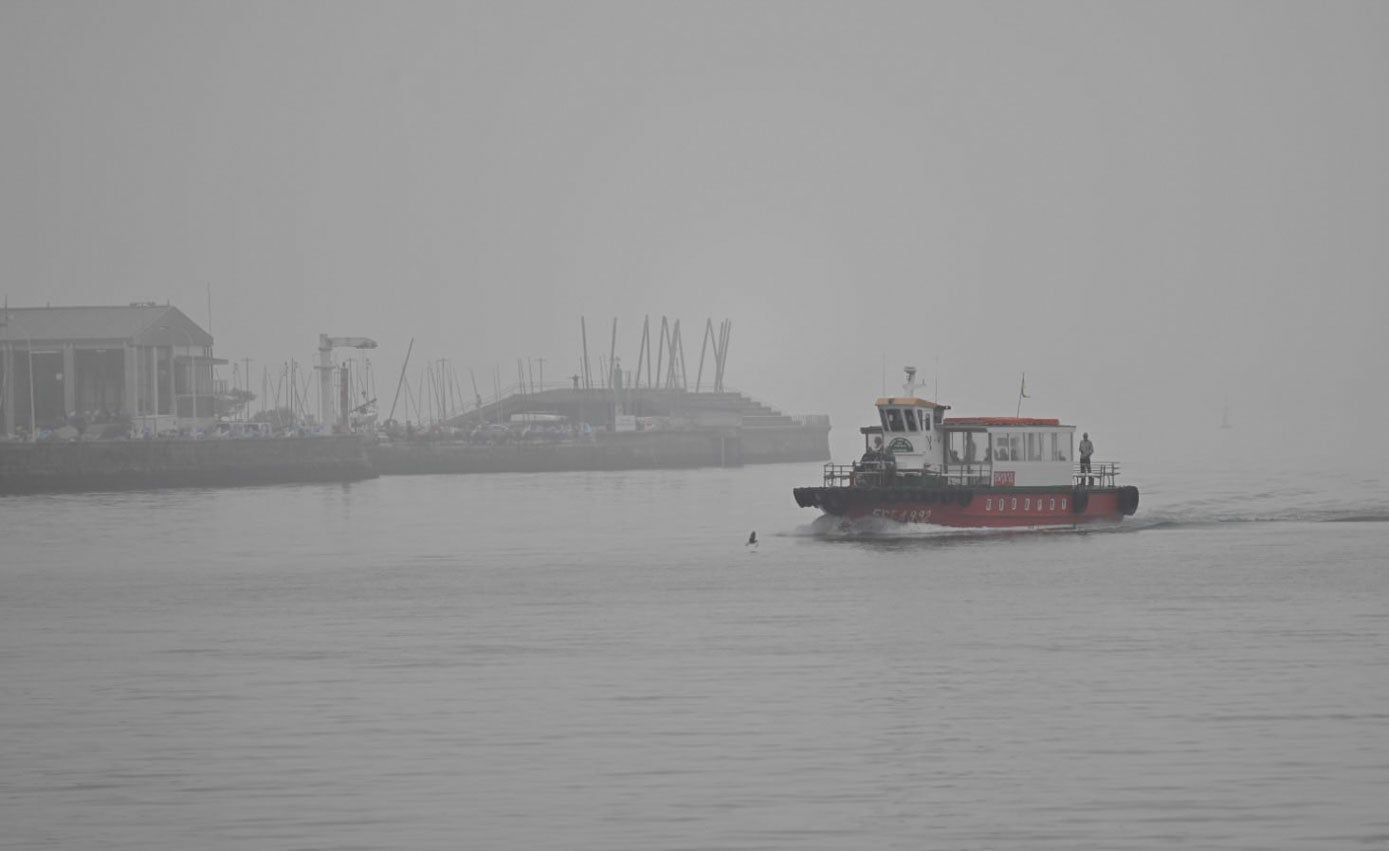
(1098, 476)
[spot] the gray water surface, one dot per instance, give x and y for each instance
(597, 661)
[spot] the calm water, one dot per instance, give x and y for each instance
(597, 661)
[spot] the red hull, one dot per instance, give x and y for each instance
(977, 508)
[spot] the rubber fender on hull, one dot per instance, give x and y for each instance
(964, 498)
(1128, 500)
(1079, 500)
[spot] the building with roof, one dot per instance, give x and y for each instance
(145, 362)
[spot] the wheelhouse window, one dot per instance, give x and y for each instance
(892, 419)
(913, 421)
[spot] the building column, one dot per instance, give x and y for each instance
(129, 376)
(173, 382)
(8, 379)
(69, 378)
(154, 381)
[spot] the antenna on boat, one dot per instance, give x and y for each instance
(1022, 394)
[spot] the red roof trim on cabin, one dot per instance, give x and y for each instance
(1000, 421)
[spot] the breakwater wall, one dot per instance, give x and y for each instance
(665, 449)
(96, 465)
(161, 463)
(772, 444)
(623, 451)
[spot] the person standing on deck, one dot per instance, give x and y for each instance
(1086, 450)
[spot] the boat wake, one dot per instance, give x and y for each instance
(831, 527)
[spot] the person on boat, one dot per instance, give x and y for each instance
(1086, 450)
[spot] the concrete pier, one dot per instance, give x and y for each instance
(161, 463)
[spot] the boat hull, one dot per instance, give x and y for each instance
(979, 507)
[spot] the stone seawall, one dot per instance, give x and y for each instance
(130, 464)
(624, 451)
(773, 444)
(729, 447)
(631, 450)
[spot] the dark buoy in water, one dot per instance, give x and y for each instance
(752, 540)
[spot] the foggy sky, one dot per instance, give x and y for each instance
(1152, 209)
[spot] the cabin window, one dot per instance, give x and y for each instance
(894, 419)
(956, 441)
(912, 422)
(1001, 452)
(1058, 446)
(1035, 450)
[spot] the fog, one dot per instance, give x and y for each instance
(1156, 211)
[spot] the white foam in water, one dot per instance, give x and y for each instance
(831, 526)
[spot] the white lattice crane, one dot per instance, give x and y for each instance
(326, 345)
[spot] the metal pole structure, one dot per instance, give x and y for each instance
(643, 351)
(703, 346)
(661, 352)
(721, 354)
(29, 353)
(583, 330)
(677, 343)
(402, 378)
(612, 357)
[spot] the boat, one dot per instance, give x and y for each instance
(920, 466)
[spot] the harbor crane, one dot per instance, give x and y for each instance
(326, 345)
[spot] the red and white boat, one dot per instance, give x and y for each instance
(920, 466)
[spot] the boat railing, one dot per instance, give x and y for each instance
(1098, 476)
(840, 475)
(969, 475)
